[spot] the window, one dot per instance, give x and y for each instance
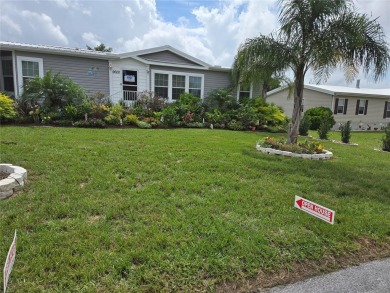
(195, 86)
(28, 68)
(361, 107)
(340, 106)
(8, 75)
(161, 85)
(386, 113)
(244, 92)
(178, 86)
(171, 85)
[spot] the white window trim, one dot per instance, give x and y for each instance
(19, 60)
(250, 91)
(364, 108)
(187, 85)
(339, 105)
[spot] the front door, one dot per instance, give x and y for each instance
(129, 82)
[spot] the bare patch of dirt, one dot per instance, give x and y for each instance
(370, 250)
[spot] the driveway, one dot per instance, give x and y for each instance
(372, 277)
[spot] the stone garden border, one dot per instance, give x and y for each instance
(327, 155)
(16, 179)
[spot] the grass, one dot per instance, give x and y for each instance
(131, 210)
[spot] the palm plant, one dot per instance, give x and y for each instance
(317, 35)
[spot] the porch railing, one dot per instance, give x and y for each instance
(128, 97)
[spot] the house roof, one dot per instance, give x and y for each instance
(196, 63)
(160, 49)
(56, 50)
(341, 90)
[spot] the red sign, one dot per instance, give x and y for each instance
(9, 262)
(314, 209)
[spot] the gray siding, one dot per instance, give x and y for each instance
(212, 79)
(167, 57)
(77, 68)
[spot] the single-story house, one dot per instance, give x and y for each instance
(164, 70)
(367, 109)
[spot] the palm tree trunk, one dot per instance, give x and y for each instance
(296, 115)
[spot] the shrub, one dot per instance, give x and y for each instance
(169, 116)
(91, 123)
(188, 117)
(7, 108)
(221, 99)
(324, 128)
(52, 92)
(115, 115)
(317, 115)
(235, 125)
(143, 125)
(131, 119)
(345, 132)
(304, 126)
(148, 100)
(386, 140)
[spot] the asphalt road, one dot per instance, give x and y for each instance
(371, 277)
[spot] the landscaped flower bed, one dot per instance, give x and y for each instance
(306, 150)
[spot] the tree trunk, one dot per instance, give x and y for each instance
(296, 115)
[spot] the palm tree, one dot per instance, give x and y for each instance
(319, 35)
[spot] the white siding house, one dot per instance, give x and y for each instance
(367, 109)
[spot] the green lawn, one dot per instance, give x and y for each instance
(131, 210)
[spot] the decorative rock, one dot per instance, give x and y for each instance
(14, 181)
(327, 155)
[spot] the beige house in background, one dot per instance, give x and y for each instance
(367, 109)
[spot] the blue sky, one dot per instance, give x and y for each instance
(210, 30)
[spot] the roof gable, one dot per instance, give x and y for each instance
(167, 56)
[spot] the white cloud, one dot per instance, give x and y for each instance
(91, 39)
(9, 24)
(43, 24)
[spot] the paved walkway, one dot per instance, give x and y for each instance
(371, 277)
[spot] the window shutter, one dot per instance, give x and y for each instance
(365, 108)
(357, 107)
(385, 111)
(345, 106)
(336, 104)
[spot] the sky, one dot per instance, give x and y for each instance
(210, 30)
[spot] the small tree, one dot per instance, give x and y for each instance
(345, 132)
(386, 140)
(324, 128)
(304, 126)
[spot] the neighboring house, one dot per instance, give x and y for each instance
(367, 109)
(164, 70)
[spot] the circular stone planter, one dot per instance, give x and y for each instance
(15, 180)
(327, 155)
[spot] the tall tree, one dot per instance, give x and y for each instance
(319, 35)
(101, 48)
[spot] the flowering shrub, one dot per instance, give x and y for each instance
(7, 108)
(302, 148)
